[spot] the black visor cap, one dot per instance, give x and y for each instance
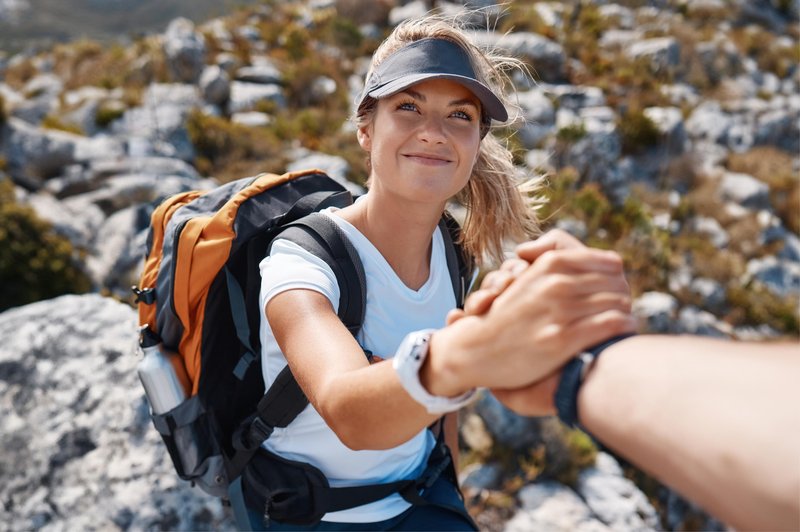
(431, 59)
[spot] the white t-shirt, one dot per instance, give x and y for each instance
(392, 311)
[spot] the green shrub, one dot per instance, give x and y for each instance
(107, 114)
(637, 132)
(35, 262)
(53, 122)
(571, 132)
(229, 151)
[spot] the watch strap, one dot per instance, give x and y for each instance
(572, 377)
(408, 360)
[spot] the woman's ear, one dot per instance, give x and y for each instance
(364, 136)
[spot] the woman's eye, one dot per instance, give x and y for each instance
(463, 115)
(407, 106)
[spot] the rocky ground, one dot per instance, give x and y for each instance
(670, 131)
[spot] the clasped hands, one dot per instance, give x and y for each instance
(541, 308)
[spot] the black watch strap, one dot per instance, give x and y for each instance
(566, 397)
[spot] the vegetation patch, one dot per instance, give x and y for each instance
(35, 262)
(637, 132)
(54, 122)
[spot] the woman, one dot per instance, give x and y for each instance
(423, 119)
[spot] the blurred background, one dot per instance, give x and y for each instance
(668, 130)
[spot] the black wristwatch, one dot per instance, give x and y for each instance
(572, 377)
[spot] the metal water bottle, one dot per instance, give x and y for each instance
(163, 377)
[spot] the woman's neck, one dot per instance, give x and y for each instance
(400, 231)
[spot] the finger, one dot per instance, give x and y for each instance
(552, 240)
(596, 328)
(584, 285)
(454, 315)
(480, 301)
(497, 280)
(514, 266)
(579, 260)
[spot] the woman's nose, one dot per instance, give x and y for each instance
(432, 130)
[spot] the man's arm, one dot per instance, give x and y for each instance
(717, 420)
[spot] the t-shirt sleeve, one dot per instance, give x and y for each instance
(289, 266)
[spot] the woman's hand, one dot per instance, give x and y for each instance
(536, 317)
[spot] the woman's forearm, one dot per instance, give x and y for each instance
(719, 421)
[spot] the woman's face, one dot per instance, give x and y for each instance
(423, 141)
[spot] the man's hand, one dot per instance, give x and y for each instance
(609, 306)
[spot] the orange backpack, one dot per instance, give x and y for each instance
(198, 300)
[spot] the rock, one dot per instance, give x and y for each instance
(764, 13)
(709, 122)
(473, 431)
(78, 224)
(414, 9)
(507, 428)
(553, 507)
(550, 13)
(185, 50)
(669, 121)
(781, 277)
(321, 88)
(744, 190)
(711, 293)
(681, 94)
(333, 165)
(251, 119)
(76, 421)
(539, 114)
(622, 16)
(98, 148)
(215, 85)
(479, 477)
(595, 154)
(157, 166)
(246, 96)
(615, 500)
(662, 54)
(576, 97)
(710, 228)
(119, 251)
(128, 190)
(692, 320)
(658, 310)
(37, 154)
(547, 57)
(161, 120)
(540, 161)
(779, 128)
(262, 70)
(619, 39)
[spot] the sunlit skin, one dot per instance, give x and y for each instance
(423, 142)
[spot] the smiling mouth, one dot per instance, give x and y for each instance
(424, 158)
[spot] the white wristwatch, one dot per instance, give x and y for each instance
(407, 360)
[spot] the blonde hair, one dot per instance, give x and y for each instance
(501, 203)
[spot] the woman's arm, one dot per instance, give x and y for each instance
(573, 299)
(717, 420)
(363, 403)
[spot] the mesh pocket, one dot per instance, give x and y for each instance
(187, 431)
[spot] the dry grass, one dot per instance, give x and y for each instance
(774, 167)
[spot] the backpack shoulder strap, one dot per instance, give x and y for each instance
(460, 266)
(321, 236)
(284, 400)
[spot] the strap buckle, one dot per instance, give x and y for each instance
(144, 295)
(258, 432)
